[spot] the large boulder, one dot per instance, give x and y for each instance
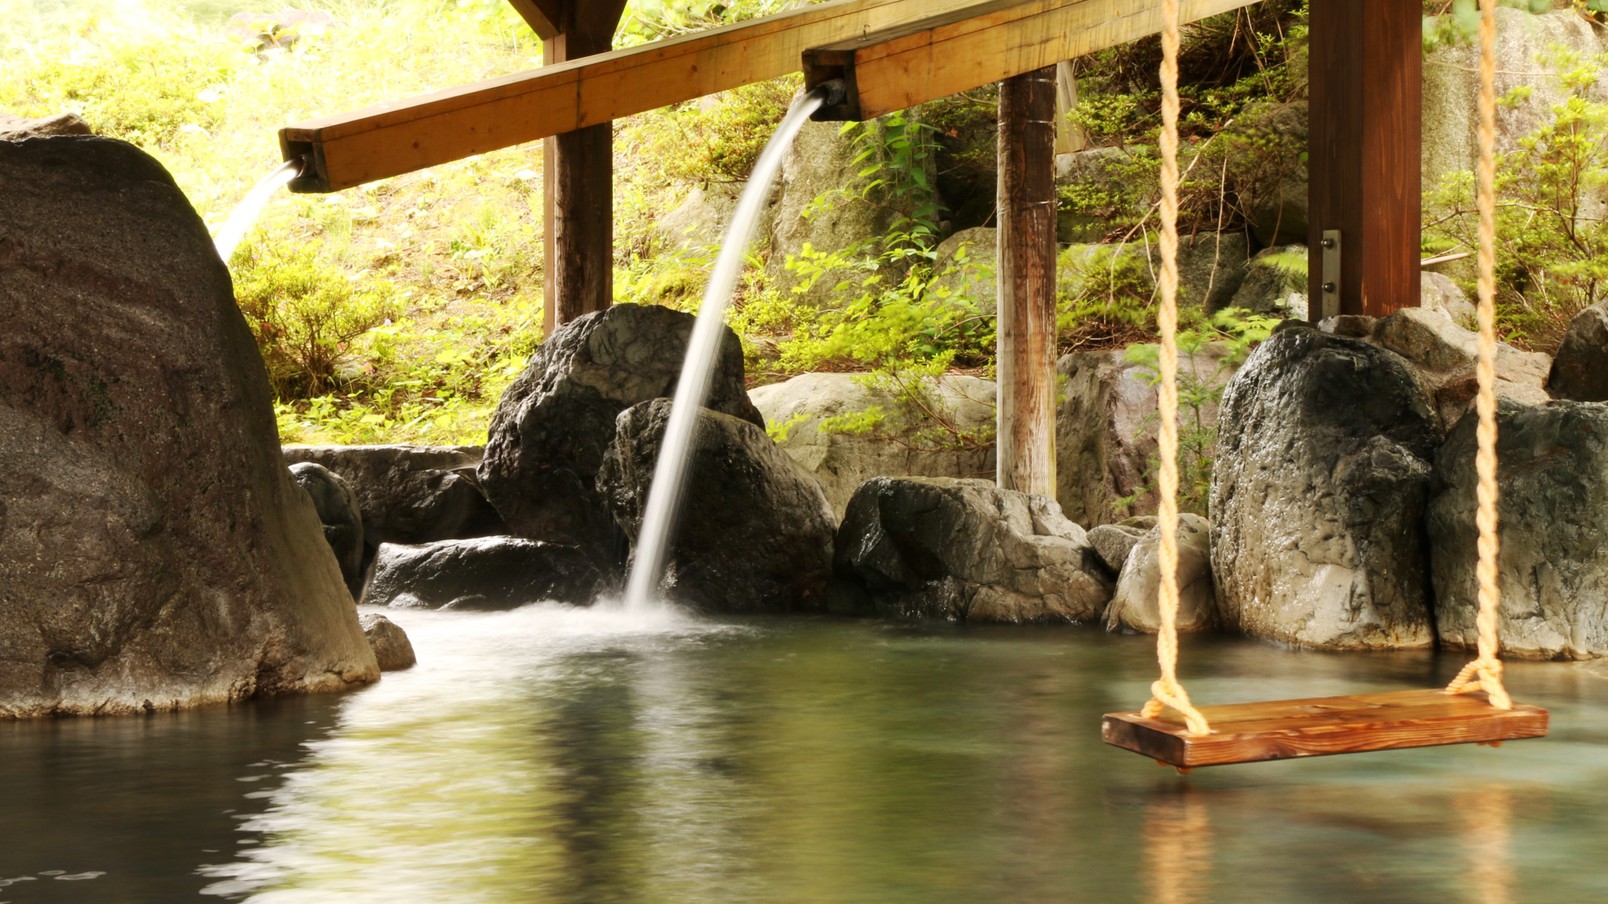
(1135, 607)
(555, 421)
(1318, 495)
(807, 414)
(966, 266)
(409, 494)
(1275, 283)
(485, 573)
(1106, 423)
(338, 511)
(824, 203)
(754, 532)
(1273, 195)
(1451, 86)
(154, 551)
(1552, 476)
(965, 550)
(1580, 369)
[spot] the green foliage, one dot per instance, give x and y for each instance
(697, 143)
(1206, 355)
(1552, 257)
(145, 91)
(917, 418)
(306, 315)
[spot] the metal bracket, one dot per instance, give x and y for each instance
(1329, 303)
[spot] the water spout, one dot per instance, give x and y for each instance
(250, 207)
(669, 473)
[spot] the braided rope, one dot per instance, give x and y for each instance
(1485, 672)
(1166, 691)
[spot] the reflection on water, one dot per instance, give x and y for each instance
(561, 755)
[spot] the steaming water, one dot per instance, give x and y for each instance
(552, 755)
(664, 496)
(250, 208)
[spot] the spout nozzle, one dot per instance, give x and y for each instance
(833, 92)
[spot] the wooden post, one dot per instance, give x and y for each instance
(578, 174)
(1026, 328)
(1069, 136)
(1363, 156)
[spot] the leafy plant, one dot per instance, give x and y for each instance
(306, 315)
(1552, 260)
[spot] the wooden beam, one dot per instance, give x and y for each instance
(578, 174)
(1282, 729)
(543, 16)
(400, 137)
(1366, 103)
(1026, 329)
(956, 51)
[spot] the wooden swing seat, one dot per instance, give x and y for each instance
(1357, 723)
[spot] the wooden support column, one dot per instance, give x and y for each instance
(578, 174)
(1026, 328)
(1364, 147)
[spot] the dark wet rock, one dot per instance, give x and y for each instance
(1319, 493)
(1552, 475)
(16, 128)
(337, 509)
(755, 530)
(1580, 369)
(154, 551)
(1113, 543)
(802, 407)
(554, 423)
(492, 573)
(966, 550)
(1135, 606)
(392, 649)
(410, 494)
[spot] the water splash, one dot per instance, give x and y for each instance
(250, 207)
(669, 473)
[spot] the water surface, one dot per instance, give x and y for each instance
(560, 755)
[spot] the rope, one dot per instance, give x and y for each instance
(1485, 672)
(1166, 691)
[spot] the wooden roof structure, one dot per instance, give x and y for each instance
(1363, 148)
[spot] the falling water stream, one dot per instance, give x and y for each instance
(250, 208)
(669, 473)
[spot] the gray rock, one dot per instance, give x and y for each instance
(16, 128)
(1553, 507)
(1275, 203)
(337, 509)
(966, 550)
(392, 649)
(1113, 543)
(1439, 292)
(1355, 326)
(700, 221)
(1451, 86)
(482, 573)
(754, 532)
(1135, 606)
(1580, 369)
(821, 167)
(967, 267)
(1446, 354)
(801, 412)
(1211, 269)
(1106, 423)
(1318, 496)
(154, 551)
(1105, 178)
(409, 494)
(555, 421)
(1272, 286)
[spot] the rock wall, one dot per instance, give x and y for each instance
(154, 551)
